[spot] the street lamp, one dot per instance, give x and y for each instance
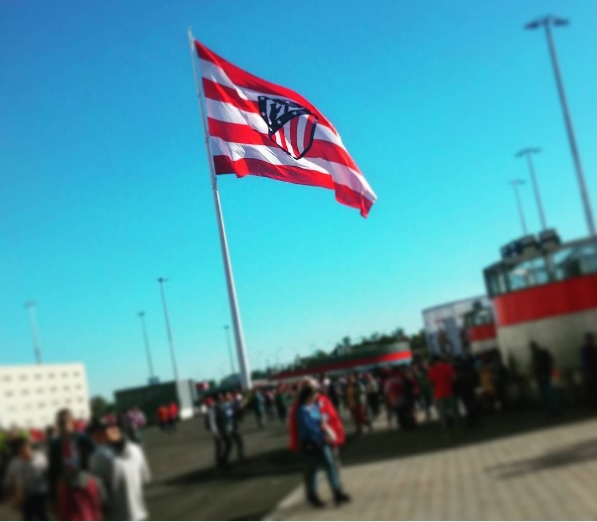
(147, 348)
(161, 281)
(232, 370)
(31, 305)
(515, 184)
(528, 152)
(547, 22)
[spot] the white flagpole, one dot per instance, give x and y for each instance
(245, 371)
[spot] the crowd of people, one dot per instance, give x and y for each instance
(167, 416)
(78, 471)
(96, 471)
(460, 390)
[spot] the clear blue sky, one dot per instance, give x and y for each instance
(105, 182)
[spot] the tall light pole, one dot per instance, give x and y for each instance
(528, 153)
(547, 22)
(231, 355)
(515, 184)
(147, 349)
(161, 281)
(33, 317)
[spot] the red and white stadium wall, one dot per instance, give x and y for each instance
(556, 315)
(348, 365)
(482, 337)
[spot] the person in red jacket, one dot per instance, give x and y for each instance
(441, 376)
(333, 423)
(163, 415)
(172, 416)
(314, 431)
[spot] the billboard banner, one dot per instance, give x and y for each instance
(444, 325)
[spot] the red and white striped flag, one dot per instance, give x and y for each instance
(262, 129)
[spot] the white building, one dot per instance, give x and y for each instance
(31, 395)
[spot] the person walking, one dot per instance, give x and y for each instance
(25, 481)
(122, 469)
(163, 417)
(229, 429)
(315, 438)
(259, 408)
(213, 422)
(173, 416)
(588, 358)
(465, 386)
(441, 376)
(135, 423)
(281, 404)
(487, 383)
(425, 389)
(543, 365)
(356, 400)
(270, 405)
(332, 392)
(372, 390)
(399, 399)
(74, 493)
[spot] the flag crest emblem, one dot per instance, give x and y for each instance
(290, 125)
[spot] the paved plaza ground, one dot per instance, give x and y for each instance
(518, 466)
(549, 474)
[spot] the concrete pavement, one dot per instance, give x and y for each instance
(548, 474)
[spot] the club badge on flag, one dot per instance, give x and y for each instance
(290, 125)
(262, 129)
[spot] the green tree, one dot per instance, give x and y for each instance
(399, 334)
(99, 406)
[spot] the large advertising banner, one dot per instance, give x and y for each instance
(444, 325)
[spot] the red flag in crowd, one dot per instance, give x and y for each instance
(262, 129)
